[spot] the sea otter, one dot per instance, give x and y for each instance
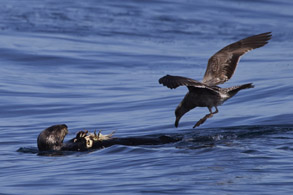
(51, 139)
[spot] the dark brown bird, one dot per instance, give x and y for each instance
(221, 66)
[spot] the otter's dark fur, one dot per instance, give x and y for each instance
(51, 139)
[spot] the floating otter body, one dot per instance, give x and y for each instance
(51, 139)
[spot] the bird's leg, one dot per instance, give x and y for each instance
(216, 110)
(201, 121)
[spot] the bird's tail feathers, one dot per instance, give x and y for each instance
(233, 90)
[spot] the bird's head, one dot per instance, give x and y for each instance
(179, 112)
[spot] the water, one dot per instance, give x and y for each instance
(96, 65)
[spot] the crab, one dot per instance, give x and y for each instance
(90, 138)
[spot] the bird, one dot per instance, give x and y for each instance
(220, 68)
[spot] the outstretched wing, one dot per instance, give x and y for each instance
(221, 66)
(194, 86)
(173, 82)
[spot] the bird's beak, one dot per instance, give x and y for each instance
(177, 121)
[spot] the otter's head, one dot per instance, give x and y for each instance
(52, 137)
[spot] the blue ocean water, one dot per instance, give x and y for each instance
(96, 64)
